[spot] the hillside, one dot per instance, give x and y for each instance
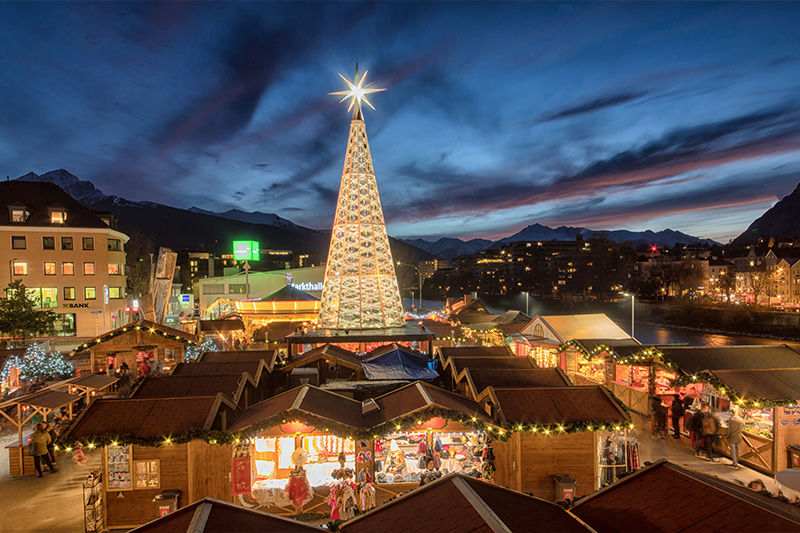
(780, 222)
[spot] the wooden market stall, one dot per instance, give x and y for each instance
(452, 366)
(761, 382)
(19, 411)
(577, 431)
(156, 447)
(137, 341)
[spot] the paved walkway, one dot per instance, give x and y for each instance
(680, 451)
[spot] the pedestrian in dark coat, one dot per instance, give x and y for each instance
(694, 425)
(677, 414)
(51, 448)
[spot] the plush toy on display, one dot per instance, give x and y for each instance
(343, 496)
(366, 490)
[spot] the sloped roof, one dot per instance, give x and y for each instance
(459, 503)
(177, 386)
(775, 385)
(589, 326)
(474, 351)
(37, 197)
(92, 381)
(443, 330)
(508, 378)
(513, 317)
(476, 362)
(473, 319)
(399, 363)
(616, 344)
(669, 497)
(236, 368)
(147, 417)
(555, 405)
(235, 324)
(268, 356)
(693, 359)
(418, 397)
(788, 253)
(289, 294)
(307, 399)
(215, 516)
(327, 352)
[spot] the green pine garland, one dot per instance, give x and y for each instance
(117, 332)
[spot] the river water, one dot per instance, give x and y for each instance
(660, 335)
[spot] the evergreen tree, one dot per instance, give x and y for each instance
(37, 365)
(18, 316)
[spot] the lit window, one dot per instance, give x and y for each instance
(18, 242)
(49, 297)
(88, 243)
(114, 293)
(50, 268)
(88, 269)
(58, 217)
(19, 214)
(114, 269)
(69, 293)
(89, 293)
(20, 268)
(66, 243)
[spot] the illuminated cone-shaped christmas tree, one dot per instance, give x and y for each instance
(360, 288)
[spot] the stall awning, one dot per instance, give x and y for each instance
(399, 364)
(48, 399)
(91, 381)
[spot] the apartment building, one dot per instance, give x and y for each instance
(71, 259)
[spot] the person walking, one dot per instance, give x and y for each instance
(655, 402)
(710, 426)
(694, 425)
(51, 448)
(677, 413)
(735, 428)
(38, 449)
(124, 383)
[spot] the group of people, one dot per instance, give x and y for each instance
(42, 447)
(703, 425)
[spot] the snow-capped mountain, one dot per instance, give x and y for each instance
(667, 237)
(83, 191)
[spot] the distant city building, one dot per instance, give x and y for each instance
(71, 259)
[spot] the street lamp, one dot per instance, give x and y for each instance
(526, 302)
(420, 280)
(633, 308)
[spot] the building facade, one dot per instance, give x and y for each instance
(70, 259)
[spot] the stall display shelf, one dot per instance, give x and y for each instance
(92, 502)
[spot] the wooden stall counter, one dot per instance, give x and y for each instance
(14, 453)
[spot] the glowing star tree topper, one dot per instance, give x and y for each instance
(360, 290)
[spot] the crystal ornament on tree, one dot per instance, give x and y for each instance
(360, 290)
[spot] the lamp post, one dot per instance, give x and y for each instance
(420, 281)
(526, 302)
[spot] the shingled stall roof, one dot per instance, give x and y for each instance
(507, 378)
(303, 400)
(315, 403)
(177, 386)
(149, 417)
(775, 385)
(555, 405)
(268, 356)
(419, 396)
(693, 359)
(327, 352)
(474, 351)
(669, 497)
(458, 503)
(459, 363)
(219, 369)
(226, 324)
(215, 516)
(590, 345)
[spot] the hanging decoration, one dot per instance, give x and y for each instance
(193, 352)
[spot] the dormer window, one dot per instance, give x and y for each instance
(18, 213)
(58, 214)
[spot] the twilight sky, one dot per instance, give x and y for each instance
(497, 115)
